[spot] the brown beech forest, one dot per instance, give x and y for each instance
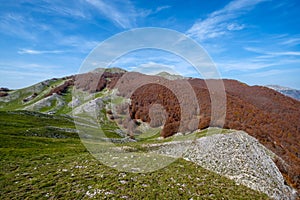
(185, 106)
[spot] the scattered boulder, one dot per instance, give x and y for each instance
(29, 98)
(3, 94)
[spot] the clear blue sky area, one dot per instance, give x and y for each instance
(254, 41)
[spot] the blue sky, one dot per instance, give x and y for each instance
(254, 41)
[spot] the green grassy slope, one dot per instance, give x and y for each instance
(26, 123)
(61, 168)
(16, 97)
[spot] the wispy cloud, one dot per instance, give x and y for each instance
(221, 21)
(120, 13)
(15, 24)
(266, 73)
(35, 52)
(153, 68)
(254, 63)
(284, 53)
(31, 29)
(123, 13)
(235, 27)
(78, 43)
(158, 9)
(76, 9)
(148, 12)
(273, 53)
(291, 41)
(244, 65)
(24, 26)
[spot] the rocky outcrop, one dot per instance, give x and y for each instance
(237, 156)
(31, 97)
(53, 102)
(90, 108)
(61, 88)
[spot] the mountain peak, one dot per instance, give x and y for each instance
(169, 76)
(111, 70)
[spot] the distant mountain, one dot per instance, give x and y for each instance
(169, 76)
(286, 91)
(111, 70)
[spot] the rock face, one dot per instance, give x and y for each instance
(61, 88)
(54, 101)
(237, 156)
(90, 107)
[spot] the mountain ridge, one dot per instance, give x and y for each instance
(263, 113)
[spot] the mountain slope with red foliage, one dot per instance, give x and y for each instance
(272, 118)
(267, 115)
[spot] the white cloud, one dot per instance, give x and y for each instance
(75, 9)
(81, 44)
(25, 26)
(36, 52)
(267, 73)
(220, 22)
(146, 13)
(270, 74)
(158, 9)
(286, 53)
(122, 14)
(291, 41)
(273, 53)
(15, 24)
(28, 28)
(235, 27)
(236, 6)
(254, 63)
(244, 65)
(153, 68)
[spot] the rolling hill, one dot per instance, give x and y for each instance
(264, 114)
